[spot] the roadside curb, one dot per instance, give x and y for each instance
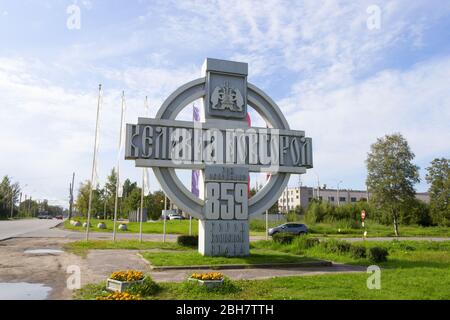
(306, 264)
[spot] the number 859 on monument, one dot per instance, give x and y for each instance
(226, 201)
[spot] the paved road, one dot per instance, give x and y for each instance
(34, 228)
(17, 228)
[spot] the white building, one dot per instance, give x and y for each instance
(301, 196)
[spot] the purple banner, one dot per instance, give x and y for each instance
(195, 173)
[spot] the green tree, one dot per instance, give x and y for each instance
(154, 204)
(82, 202)
(391, 175)
(9, 196)
(438, 177)
(131, 202)
(109, 193)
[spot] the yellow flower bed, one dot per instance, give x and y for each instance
(129, 275)
(120, 296)
(207, 276)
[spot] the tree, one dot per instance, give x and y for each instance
(438, 177)
(132, 201)
(9, 195)
(155, 204)
(109, 194)
(82, 202)
(391, 175)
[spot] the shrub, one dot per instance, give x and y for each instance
(377, 254)
(292, 217)
(188, 241)
(305, 242)
(147, 288)
(283, 237)
(337, 246)
(357, 251)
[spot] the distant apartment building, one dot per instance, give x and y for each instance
(302, 196)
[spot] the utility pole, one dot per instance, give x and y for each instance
(12, 203)
(71, 196)
(20, 202)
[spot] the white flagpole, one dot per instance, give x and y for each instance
(143, 183)
(94, 162)
(165, 218)
(142, 207)
(118, 168)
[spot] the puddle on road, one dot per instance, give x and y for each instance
(43, 251)
(23, 291)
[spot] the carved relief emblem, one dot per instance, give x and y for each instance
(227, 98)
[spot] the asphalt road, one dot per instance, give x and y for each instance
(16, 228)
(34, 228)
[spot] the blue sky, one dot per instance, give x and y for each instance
(332, 76)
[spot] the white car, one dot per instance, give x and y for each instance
(175, 217)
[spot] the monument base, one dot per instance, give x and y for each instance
(223, 238)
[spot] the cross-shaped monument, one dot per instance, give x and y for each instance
(225, 149)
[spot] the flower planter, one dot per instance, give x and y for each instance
(207, 283)
(119, 286)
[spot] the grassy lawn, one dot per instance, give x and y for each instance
(173, 226)
(414, 270)
(193, 258)
(258, 227)
(377, 230)
(82, 247)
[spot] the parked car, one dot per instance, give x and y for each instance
(59, 217)
(294, 228)
(42, 216)
(175, 217)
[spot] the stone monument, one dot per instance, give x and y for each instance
(225, 149)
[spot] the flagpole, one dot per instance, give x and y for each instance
(143, 182)
(118, 169)
(142, 207)
(94, 161)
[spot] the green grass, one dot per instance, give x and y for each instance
(258, 227)
(193, 258)
(414, 270)
(414, 283)
(82, 247)
(376, 230)
(172, 226)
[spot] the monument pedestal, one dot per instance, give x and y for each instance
(223, 238)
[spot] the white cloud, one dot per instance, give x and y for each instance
(47, 130)
(344, 122)
(333, 93)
